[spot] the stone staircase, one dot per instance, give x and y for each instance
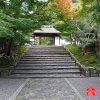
(46, 62)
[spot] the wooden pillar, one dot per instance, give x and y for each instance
(40, 40)
(53, 39)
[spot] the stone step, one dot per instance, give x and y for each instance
(49, 62)
(48, 71)
(47, 68)
(49, 48)
(34, 55)
(45, 50)
(45, 72)
(25, 57)
(46, 47)
(33, 65)
(33, 50)
(46, 59)
(46, 62)
(46, 53)
(46, 76)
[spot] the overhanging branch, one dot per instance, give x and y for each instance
(4, 6)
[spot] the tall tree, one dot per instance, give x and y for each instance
(18, 18)
(92, 9)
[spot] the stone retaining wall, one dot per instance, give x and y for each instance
(86, 71)
(5, 72)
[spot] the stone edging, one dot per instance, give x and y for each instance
(5, 72)
(13, 97)
(86, 71)
(76, 92)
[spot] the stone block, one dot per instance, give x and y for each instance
(5, 72)
(87, 74)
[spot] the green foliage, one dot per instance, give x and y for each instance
(87, 60)
(21, 39)
(74, 49)
(66, 28)
(85, 32)
(98, 60)
(74, 1)
(44, 41)
(22, 17)
(47, 40)
(36, 41)
(18, 20)
(19, 50)
(6, 62)
(88, 1)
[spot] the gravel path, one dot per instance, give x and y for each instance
(81, 84)
(50, 89)
(47, 89)
(8, 87)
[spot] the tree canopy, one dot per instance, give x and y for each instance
(78, 20)
(19, 18)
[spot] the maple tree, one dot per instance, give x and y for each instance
(63, 9)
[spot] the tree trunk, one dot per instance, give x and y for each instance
(96, 35)
(85, 50)
(97, 42)
(74, 34)
(4, 6)
(75, 39)
(8, 46)
(71, 38)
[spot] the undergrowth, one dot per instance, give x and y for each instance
(5, 62)
(87, 60)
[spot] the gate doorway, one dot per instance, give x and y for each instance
(36, 41)
(47, 35)
(46, 40)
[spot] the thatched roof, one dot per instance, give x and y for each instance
(47, 29)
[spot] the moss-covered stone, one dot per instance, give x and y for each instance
(87, 60)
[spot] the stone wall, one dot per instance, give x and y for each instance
(5, 72)
(86, 71)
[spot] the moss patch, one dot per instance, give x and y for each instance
(19, 50)
(6, 62)
(87, 60)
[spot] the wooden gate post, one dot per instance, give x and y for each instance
(53, 39)
(40, 40)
